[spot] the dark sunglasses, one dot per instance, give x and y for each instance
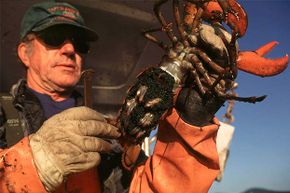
(56, 38)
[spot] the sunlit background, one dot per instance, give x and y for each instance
(260, 149)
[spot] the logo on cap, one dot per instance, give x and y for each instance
(64, 11)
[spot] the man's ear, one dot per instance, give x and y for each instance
(22, 51)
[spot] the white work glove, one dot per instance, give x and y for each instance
(70, 142)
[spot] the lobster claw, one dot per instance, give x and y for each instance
(238, 22)
(253, 62)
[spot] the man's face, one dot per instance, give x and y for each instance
(53, 68)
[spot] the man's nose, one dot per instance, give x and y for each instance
(68, 48)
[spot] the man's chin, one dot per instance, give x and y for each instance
(64, 86)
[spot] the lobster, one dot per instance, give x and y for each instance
(202, 57)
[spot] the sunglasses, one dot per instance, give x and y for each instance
(56, 38)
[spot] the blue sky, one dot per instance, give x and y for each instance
(260, 149)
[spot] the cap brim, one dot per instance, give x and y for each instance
(90, 34)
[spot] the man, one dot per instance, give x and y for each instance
(62, 142)
(53, 42)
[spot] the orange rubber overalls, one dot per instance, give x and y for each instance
(185, 159)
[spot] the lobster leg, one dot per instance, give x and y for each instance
(197, 81)
(252, 99)
(199, 67)
(233, 54)
(190, 11)
(165, 26)
(180, 28)
(197, 20)
(153, 39)
(217, 68)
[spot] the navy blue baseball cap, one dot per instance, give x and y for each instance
(47, 14)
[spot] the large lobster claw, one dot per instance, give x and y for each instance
(237, 23)
(253, 62)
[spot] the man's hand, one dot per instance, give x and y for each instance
(70, 142)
